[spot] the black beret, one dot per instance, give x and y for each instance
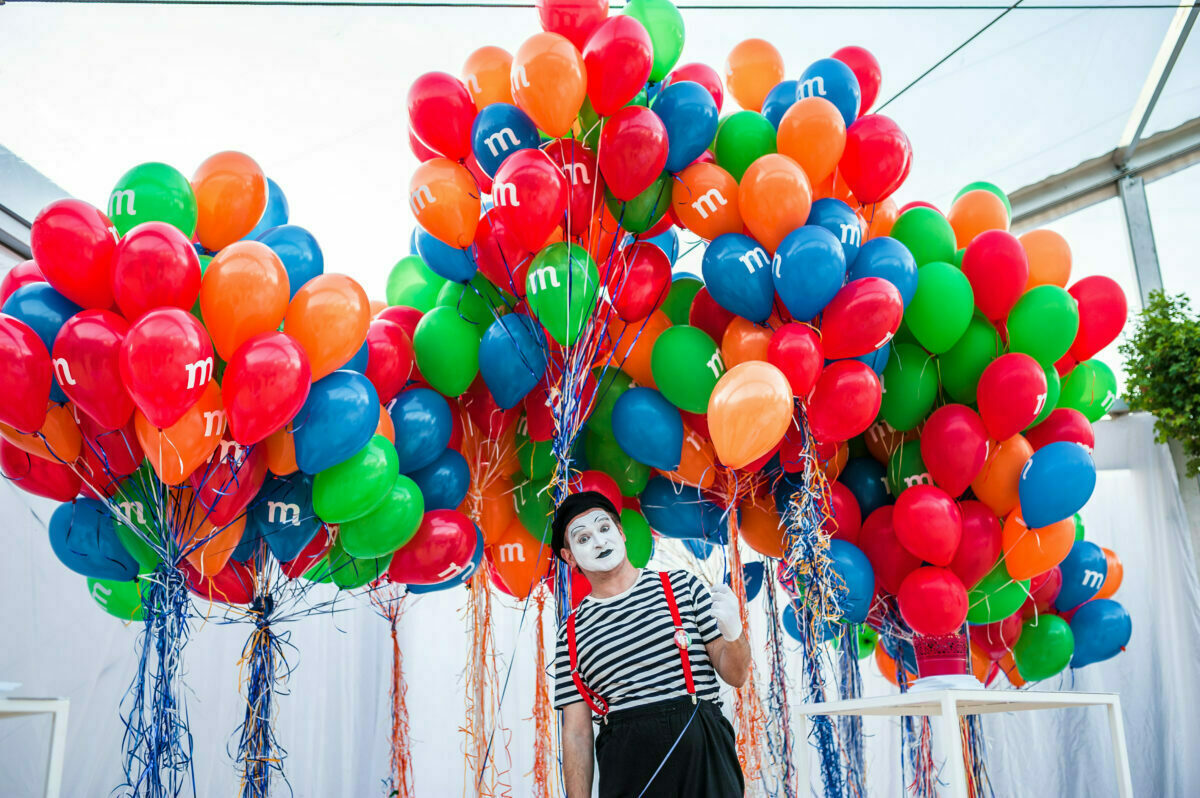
(573, 506)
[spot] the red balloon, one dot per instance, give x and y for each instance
(499, 253)
(954, 446)
(73, 244)
(37, 475)
(311, 554)
(233, 584)
(1063, 365)
(793, 457)
(1102, 314)
(618, 56)
(633, 151)
(539, 415)
(403, 315)
(585, 189)
(847, 515)
(166, 361)
(155, 266)
(876, 158)
(24, 273)
(87, 360)
(1043, 590)
(530, 193)
(491, 419)
(24, 375)
(389, 358)
(981, 543)
(796, 350)
(574, 19)
(229, 481)
(1063, 424)
(933, 601)
(706, 314)
(440, 113)
(928, 523)
(443, 547)
(266, 383)
(1011, 393)
(996, 640)
(866, 68)
(703, 74)
(997, 267)
(481, 177)
(599, 482)
(890, 561)
(639, 281)
(917, 204)
(861, 317)
(109, 455)
(844, 401)
(419, 149)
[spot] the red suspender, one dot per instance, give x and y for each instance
(597, 704)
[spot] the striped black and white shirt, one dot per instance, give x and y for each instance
(626, 644)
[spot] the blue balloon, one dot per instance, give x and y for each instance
(809, 268)
(878, 359)
(887, 258)
(681, 511)
(737, 272)
(865, 476)
(653, 89)
(460, 578)
(901, 651)
(858, 580)
(299, 251)
(247, 547)
(1083, 574)
(422, 422)
(337, 420)
(648, 428)
(668, 242)
(832, 80)
(753, 574)
(1055, 483)
(85, 540)
(359, 361)
(689, 114)
(500, 130)
(779, 100)
(837, 217)
(700, 549)
(275, 214)
(283, 515)
(45, 311)
(444, 482)
(792, 614)
(454, 264)
(412, 241)
(1101, 628)
(512, 358)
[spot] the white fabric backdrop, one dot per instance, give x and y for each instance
(334, 723)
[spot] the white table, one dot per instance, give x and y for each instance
(950, 705)
(57, 709)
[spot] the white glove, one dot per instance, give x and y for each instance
(726, 613)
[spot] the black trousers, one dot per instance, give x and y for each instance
(693, 743)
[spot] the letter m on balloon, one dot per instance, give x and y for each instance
(199, 372)
(496, 142)
(545, 275)
(1093, 579)
(813, 87)
(420, 197)
(283, 513)
(754, 260)
(119, 198)
(708, 203)
(510, 552)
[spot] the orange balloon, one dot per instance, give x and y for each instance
(744, 341)
(975, 212)
(244, 292)
(385, 427)
(1116, 573)
(887, 666)
(486, 76)
(996, 484)
(496, 509)
(753, 68)
(377, 307)
(813, 134)
(980, 664)
(445, 199)
(520, 559)
(749, 411)
(58, 440)
(834, 186)
(213, 545)
(705, 200)
(549, 82)
(697, 461)
(879, 218)
(833, 467)
(760, 528)
(1029, 552)
(281, 452)
(329, 318)
(1049, 258)
(774, 198)
(178, 450)
(231, 195)
(1008, 666)
(632, 344)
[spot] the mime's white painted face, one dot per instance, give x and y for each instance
(596, 541)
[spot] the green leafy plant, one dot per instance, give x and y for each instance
(1162, 358)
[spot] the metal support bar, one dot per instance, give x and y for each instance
(1141, 235)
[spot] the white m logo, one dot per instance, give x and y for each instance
(545, 275)
(283, 513)
(214, 422)
(851, 234)
(918, 479)
(754, 260)
(62, 370)
(114, 202)
(813, 87)
(577, 173)
(133, 511)
(472, 82)
(101, 593)
(505, 194)
(1093, 579)
(496, 144)
(420, 197)
(239, 453)
(708, 203)
(715, 364)
(510, 552)
(517, 79)
(449, 571)
(199, 372)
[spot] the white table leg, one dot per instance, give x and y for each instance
(955, 770)
(805, 751)
(58, 749)
(1116, 726)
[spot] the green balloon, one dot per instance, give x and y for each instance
(986, 186)
(603, 454)
(941, 308)
(867, 638)
(1053, 391)
(927, 234)
(742, 139)
(681, 294)
(389, 526)
(857, 447)
(138, 537)
(536, 458)
(639, 543)
(354, 488)
(413, 284)
(958, 257)
(119, 599)
(686, 365)
(664, 23)
(910, 387)
(320, 572)
(1043, 324)
(643, 211)
(447, 350)
(535, 506)
(561, 288)
(478, 301)
(1044, 648)
(349, 572)
(907, 468)
(589, 123)
(1079, 532)
(153, 192)
(1090, 388)
(996, 596)
(961, 365)
(611, 383)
